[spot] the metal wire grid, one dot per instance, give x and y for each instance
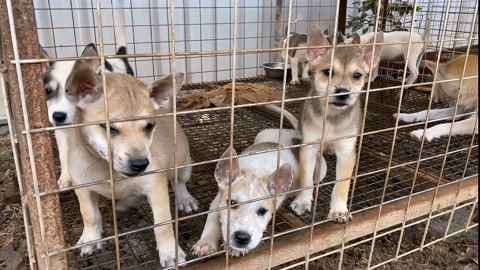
(208, 136)
(202, 49)
(396, 179)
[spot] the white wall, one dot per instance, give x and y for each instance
(459, 21)
(200, 26)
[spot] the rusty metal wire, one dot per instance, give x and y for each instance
(392, 169)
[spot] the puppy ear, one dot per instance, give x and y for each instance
(45, 65)
(356, 39)
(224, 169)
(316, 38)
(369, 55)
(281, 180)
(91, 50)
(83, 84)
(161, 91)
(432, 65)
(340, 38)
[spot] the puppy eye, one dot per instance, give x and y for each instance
(262, 211)
(113, 131)
(48, 92)
(327, 72)
(149, 127)
(357, 76)
(232, 202)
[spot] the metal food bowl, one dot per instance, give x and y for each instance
(275, 70)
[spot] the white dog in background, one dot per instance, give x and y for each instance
(397, 46)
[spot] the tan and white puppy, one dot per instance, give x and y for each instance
(253, 177)
(467, 101)
(397, 46)
(296, 56)
(55, 75)
(338, 81)
(137, 146)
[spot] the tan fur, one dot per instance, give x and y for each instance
(128, 97)
(467, 92)
(340, 74)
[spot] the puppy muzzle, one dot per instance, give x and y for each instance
(342, 95)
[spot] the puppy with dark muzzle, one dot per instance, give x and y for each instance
(340, 74)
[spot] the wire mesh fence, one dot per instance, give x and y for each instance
(398, 182)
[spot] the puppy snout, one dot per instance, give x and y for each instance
(139, 165)
(242, 237)
(343, 91)
(59, 117)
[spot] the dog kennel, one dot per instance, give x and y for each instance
(398, 182)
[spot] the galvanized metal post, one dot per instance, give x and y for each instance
(44, 212)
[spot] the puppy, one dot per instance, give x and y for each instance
(296, 56)
(137, 146)
(344, 76)
(60, 109)
(467, 99)
(253, 177)
(394, 51)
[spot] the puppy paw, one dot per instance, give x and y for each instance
(302, 203)
(89, 236)
(339, 212)
(64, 181)
(295, 82)
(187, 203)
(418, 135)
(204, 247)
(167, 255)
(237, 253)
(405, 117)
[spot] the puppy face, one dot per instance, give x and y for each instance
(341, 72)
(128, 97)
(248, 221)
(55, 74)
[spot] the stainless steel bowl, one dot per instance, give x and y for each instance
(275, 70)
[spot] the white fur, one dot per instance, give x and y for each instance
(400, 44)
(244, 218)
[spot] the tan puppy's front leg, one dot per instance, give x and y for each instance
(184, 199)
(338, 203)
(211, 233)
(61, 137)
(157, 196)
(92, 221)
(303, 202)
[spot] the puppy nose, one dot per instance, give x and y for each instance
(59, 117)
(242, 237)
(340, 91)
(139, 164)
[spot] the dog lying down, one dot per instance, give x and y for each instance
(467, 101)
(253, 177)
(137, 146)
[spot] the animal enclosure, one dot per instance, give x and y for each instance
(398, 181)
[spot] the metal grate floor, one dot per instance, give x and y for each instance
(208, 134)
